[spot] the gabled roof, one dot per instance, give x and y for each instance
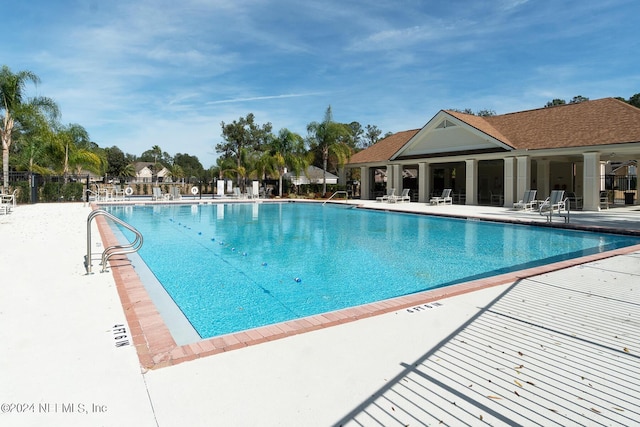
(599, 122)
(312, 174)
(384, 149)
(141, 165)
(605, 121)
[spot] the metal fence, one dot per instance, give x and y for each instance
(621, 188)
(34, 188)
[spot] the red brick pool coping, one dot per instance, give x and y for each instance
(156, 347)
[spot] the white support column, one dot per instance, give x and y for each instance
(471, 174)
(424, 182)
(636, 169)
(591, 181)
(397, 179)
(510, 181)
(543, 186)
(389, 183)
(524, 176)
(365, 183)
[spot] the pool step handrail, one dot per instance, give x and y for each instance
(128, 248)
(334, 194)
(546, 209)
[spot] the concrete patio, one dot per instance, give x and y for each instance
(559, 348)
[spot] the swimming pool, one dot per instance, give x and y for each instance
(232, 267)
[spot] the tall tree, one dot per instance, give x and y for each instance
(16, 107)
(356, 135)
(329, 138)
(578, 99)
(635, 100)
(486, 113)
(371, 136)
(116, 162)
(243, 136)
(555, 102)
(190, 166)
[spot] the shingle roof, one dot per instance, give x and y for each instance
(481, 124)
(383, 149)
(600, 122)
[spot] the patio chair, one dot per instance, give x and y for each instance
(118, 193)
(444, 199)
(390, 193)
(158, 194)
(528, 201)
(574, 200)
(175, 193)
(604, 199)
(237, 194)
(403, 197)
(8, 201)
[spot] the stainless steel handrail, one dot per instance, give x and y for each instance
(337, 192)
(546, 209)
(128, 248)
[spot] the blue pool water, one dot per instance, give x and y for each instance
(238, 266)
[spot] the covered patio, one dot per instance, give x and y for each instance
(493, 160)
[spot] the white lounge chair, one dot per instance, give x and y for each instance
(158, 194)
(390, 193)
(528, 201)
(175, 193)
(118, 193)
(444, 199)
(402, 198)
(237, 194)
(8, 202)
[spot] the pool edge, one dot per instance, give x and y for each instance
(157, 349)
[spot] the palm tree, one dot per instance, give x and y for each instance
(129, 171)
(16, 108)
(287, 150)
(328, 137)
(157, 152)
(69, 145)
(34, 142)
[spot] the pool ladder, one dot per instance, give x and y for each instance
(346, 194)
(128, 248)
(548, 212)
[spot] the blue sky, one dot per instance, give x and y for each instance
(138, 73)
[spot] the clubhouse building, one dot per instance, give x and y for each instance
(584, 148)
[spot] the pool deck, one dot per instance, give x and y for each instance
(554, 346)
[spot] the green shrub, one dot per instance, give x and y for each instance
(72, 191)
(59, 192)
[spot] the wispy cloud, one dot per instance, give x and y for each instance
(263, 98)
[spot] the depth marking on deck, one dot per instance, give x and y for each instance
(120, 335)
(424, 307)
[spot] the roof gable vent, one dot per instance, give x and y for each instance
(445, 124)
